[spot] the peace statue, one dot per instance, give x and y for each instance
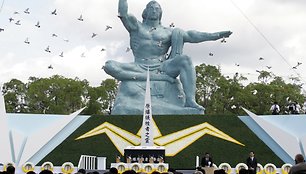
(150, 43)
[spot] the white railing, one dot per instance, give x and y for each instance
(87, 162)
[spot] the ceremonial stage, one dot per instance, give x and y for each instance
(227, 138)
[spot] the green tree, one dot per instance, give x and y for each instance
(261, 96)
(258, 97)
(285, 93)
(93, 106)
(15, 97)
(57, 95)
(101, 98)
(218, 94)
(110, 86)
(228, 96)
(265, 76)
(206, 84)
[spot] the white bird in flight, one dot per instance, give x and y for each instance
(48, 49)
(18, 22)
(108, 27)
(223, 40)
(27, 41)
(93, 35)
(54, 12)
(37, 25)
(83, 55)
(50, 67)
(27, 11)
(81, 18)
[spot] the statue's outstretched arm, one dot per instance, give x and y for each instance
(129, 21)
(193, 36)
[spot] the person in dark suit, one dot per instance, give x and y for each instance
(207, 161)
(300, 165)
(252, 163)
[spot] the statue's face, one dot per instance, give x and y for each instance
(152, 11)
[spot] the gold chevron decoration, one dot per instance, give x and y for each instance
(173, 143)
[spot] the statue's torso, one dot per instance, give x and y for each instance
(149, 45)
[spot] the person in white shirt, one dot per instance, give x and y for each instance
(304, 107)
(275, 109)
(298, 108)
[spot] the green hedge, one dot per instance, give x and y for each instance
(221, 150)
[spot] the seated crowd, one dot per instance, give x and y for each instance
(298, 168)
(198, 170)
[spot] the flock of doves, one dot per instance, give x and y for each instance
(108, 27)
(38, 25)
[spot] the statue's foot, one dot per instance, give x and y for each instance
(193, 104)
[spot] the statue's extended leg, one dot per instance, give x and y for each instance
(182, 66)
(179, 64)
(188, 79)
(131, 71)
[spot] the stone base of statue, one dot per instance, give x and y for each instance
(167, 98)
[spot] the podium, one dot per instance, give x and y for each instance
(145, 152)
(143, 158)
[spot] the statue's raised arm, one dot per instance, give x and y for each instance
(129, 21)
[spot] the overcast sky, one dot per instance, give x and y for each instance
(272, 29)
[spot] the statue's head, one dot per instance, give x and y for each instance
(152, 11)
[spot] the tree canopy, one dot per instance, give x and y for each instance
(58, 95)
(225, 95)
(219, 94)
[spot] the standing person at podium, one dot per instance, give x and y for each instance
(252, 163)
(207, 160)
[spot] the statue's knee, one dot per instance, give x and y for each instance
(109, 63)
(110, 67)
(185, 60)
(177, 31)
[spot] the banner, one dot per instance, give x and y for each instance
(147, 124)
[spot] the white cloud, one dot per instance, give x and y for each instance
(281, 21)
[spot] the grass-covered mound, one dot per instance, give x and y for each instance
(221, 150)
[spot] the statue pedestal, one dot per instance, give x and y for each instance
(167, 98)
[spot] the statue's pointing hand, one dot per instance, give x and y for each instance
(225, 34)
